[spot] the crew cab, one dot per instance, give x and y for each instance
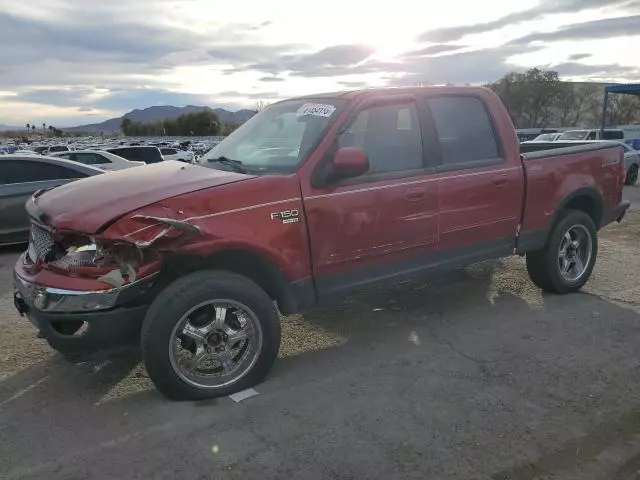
(311, 198)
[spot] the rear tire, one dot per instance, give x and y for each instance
(632, 175)
(170, 321)
(545, 267)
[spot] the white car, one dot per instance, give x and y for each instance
(177, 154)
(99, 159)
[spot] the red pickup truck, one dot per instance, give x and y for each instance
(309, 199)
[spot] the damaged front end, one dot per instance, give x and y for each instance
(112, 257)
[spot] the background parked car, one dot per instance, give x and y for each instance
(138, 153)
(56, 149)
(20, 177)
(632, 164)
(547, 137)
(592, 134)
(177, 154)
(99, 159)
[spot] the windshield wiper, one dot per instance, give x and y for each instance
(235, 165)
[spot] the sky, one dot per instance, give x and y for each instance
(71, 62)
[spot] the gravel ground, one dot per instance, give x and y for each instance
(474, 374)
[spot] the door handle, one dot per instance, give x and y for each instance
(500, 181)
(415, 194)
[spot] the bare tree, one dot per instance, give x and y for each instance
(261, 105)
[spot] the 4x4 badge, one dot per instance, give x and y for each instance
(287, 216)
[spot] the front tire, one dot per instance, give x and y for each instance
(566, 263)
(632, 175)
(209, 334)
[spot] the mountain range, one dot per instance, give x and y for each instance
(9, 128)
(158, 113)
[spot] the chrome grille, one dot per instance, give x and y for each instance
(40, 243)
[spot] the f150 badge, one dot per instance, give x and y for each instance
(287, 216)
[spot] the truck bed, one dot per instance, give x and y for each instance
(556, 174)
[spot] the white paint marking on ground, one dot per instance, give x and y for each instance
(243, 395)
(22, 392)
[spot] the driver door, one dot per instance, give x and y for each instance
(382, 223)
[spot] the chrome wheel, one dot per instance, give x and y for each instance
(575, 252)
(215, 343)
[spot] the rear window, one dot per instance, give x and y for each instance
(88, 158)
(139, 154)
(58, 148)
(464, 130)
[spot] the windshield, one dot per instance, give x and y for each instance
(277, 139)
(574, 135)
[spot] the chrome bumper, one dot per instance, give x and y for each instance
(56, 300)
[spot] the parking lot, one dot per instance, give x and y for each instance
(475, 375)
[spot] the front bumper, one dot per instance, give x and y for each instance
(111, 317)
(57, 300)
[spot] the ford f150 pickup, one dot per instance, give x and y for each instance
(309, 199)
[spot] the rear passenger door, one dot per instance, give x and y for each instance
(479, 191)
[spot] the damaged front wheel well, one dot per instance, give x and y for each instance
(263, 272)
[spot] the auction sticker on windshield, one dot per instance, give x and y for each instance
(316, 110)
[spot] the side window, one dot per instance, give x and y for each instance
(27, 171)
(592, 135)
(613, 135)
(168, 151)
(48, 171)
(464, 130)
(390, 136)
(15, 172)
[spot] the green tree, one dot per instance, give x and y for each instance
(530, 97)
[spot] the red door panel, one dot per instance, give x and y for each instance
(479, 207)
(356, 227)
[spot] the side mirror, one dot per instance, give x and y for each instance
(349, 162)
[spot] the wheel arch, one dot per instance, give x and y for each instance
(291, 297)
(587, 200)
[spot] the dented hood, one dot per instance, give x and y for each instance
(86, 205)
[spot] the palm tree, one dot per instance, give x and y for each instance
(51, 130)
(33, 128)
(28, 128)
(44, 128)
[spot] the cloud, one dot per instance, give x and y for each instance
(123, 40)
(607, 28)
(579, 56)
(353, 84)
(432, 50)
(569, 69)
(548, 7)
(477, 67)
(328, 61)
(271, 79)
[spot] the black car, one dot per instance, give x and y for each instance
(138, 154)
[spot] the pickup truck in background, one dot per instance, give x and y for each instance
(310, 199)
